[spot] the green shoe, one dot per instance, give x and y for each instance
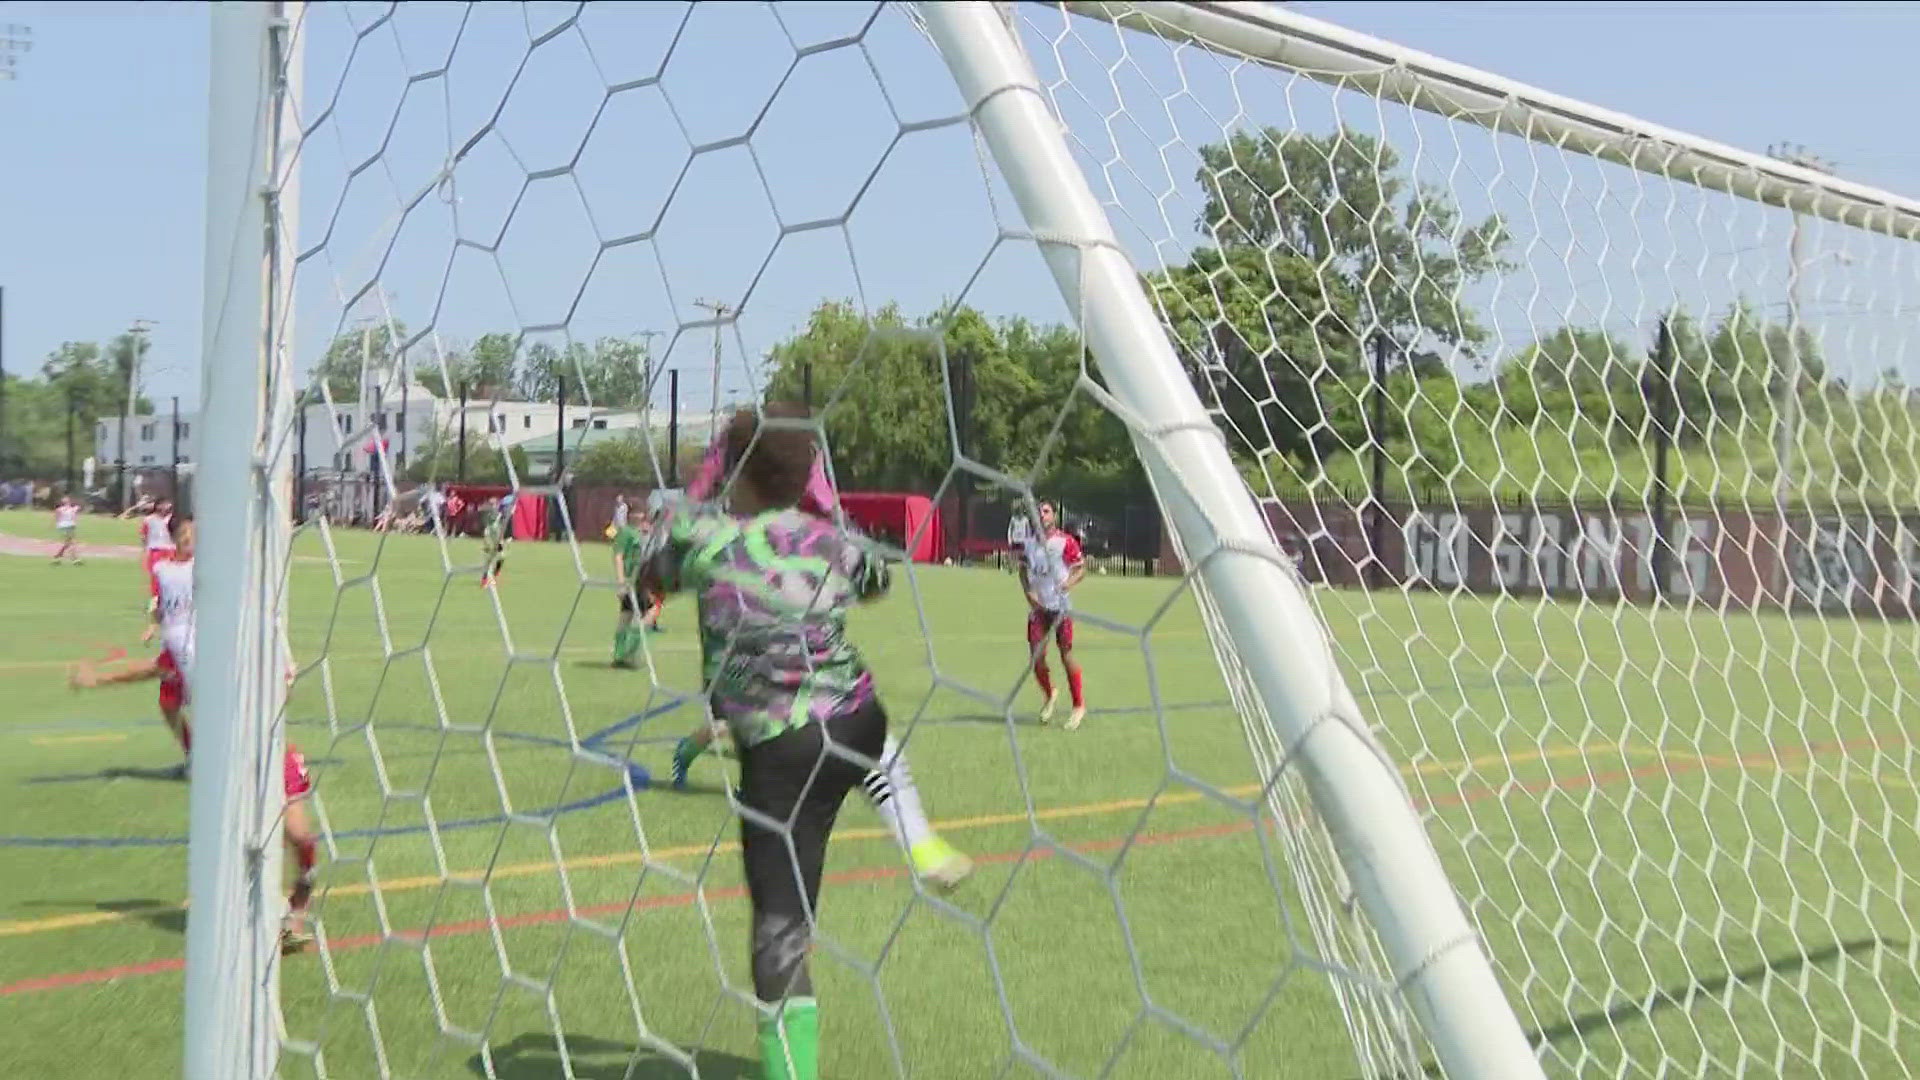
(790, 1042)
(683, 754)
(936, 861)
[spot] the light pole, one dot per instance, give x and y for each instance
(136, 348)
(1786, 412)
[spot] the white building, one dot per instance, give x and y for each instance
(340, 436)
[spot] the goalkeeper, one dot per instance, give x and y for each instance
(891, 787)
(774, 585)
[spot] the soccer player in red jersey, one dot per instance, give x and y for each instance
(174, 616)
(1050, 566)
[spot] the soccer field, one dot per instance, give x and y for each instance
(1686, 836)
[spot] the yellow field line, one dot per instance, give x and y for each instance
(62, 740)
(78, 920)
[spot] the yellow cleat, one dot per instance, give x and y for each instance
(941, 864)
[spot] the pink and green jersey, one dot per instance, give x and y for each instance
(774, 592)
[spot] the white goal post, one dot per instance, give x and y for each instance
(1435, 915)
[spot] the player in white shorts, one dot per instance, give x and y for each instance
(66, 522)
(173, 617)
(1050, 566)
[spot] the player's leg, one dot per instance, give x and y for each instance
(1063, 638)
(893, 792)
(786, 778)
(304, 844)
(1038, 623)
(656, 603)
(626, 640)
(173, 710)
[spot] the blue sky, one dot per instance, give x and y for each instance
(102, 152)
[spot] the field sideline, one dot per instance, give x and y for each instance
(1680, 833)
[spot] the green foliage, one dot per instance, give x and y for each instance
(439, 461)
(623, 461)
(883, 381)
(1337, 203)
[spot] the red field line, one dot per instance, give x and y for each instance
(1569, 783)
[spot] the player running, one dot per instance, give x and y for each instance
(66, 523)
(629, 546)
(775, 584)
(1050, 566)
(890, 788)
(495, 537)
(156, 536)
(174, 615)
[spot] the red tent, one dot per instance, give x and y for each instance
(910, 521)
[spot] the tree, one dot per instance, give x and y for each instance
(358, 358)
(623, 461)
(439, 461)
(1337, 202)
(890, 418)
(1263, 334)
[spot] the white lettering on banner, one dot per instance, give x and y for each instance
(1598, 549)
(1511, 568)
(1691, 542)
(1436, 548)
(1830, 564)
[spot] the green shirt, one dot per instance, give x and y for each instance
(629, 546)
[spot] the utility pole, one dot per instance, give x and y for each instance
(136, 348)
(720, 312)
(1786, 413)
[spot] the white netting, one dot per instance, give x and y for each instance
(542, 249)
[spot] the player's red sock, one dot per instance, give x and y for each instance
(305, 855)
(1043, 676)
(186, 737)
(1073, 687)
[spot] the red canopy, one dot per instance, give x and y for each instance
(910, 521)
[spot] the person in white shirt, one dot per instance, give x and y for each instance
(1050, 566)
(66, 522)
(156, 536)
(173, 619)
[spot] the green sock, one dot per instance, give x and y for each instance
(626, 642)
(797, 1056)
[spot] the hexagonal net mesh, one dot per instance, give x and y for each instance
(1173, 360)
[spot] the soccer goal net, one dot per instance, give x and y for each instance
(1392, 570)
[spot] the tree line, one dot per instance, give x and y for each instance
(77, 384)
(1322, 320)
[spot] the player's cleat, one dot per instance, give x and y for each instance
(683, 754)
(294, 934)
(1078, 714)
(177, 772)
(941, 864)
(1046, 711)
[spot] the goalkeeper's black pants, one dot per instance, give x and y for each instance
(793, 777)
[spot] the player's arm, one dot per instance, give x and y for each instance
(1076, 564)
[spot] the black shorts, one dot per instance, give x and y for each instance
(626, 602)
(792, 778)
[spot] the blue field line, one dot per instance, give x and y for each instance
(638, 775)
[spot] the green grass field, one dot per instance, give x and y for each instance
(1687, 838)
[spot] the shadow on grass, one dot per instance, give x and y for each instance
(1026, 714)
(164, 915)
(535, 1057)
(171, 774)
(1644, 1010)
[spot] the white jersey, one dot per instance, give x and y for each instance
(66, 517)
(1049, 560)
(157, 532)
(175, 579)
